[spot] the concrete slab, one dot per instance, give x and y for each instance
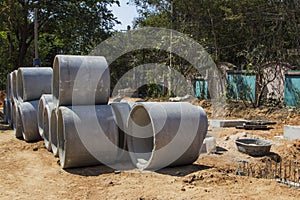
(226, 123)
(291, 132)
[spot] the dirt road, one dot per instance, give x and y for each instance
(29, 171)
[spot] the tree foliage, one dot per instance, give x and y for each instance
(68, 27)
(247, 33)
(227, 28)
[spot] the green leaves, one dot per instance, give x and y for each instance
(70, 27)
(3, 35)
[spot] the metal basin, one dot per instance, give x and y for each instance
(253, 147)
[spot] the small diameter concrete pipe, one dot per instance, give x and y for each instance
(53, 133)
(28, 116)
(165, 134)
(87, 135)
(32, 82)
(17, 122)
(80, 80)
(121, 113)
(46, 99)
(47, 126)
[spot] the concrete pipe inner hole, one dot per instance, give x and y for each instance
(14, 87)
(53, 129)
(142, 139)
(41, 117)
(46, 124)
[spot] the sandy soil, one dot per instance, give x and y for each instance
(29, 171)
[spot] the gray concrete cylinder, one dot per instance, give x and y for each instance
(13, 92)
(46, 99)
(53, 133)
(32, 82)
(17, 122)
(80, 80)
(47, 127)
(87, 135)
(28, 116)
(165, 134)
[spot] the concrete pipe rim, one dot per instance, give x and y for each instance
(132, 141)
(61, 138)
(55, 81)
(41, 109)
(11, 115)
(8, 86)
(46, 132)
(19, 88)
(53, 133)
(41, 118)
(14, 85)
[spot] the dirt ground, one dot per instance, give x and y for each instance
(29, 171)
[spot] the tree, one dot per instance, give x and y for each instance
(72, 26)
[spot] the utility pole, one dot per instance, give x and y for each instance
(36, 60)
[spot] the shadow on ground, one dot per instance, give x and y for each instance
(90, 171)
(183, 170)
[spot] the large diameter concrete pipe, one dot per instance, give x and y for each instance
(13, 92)
(32, 82)
(121, 113)
(53, 132)
(17, 122)
(28, 116)
(47, 126)
(80, 80)
(87, 135)
(46, 99)
(165, 134)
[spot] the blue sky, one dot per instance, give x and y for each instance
(125, 14)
